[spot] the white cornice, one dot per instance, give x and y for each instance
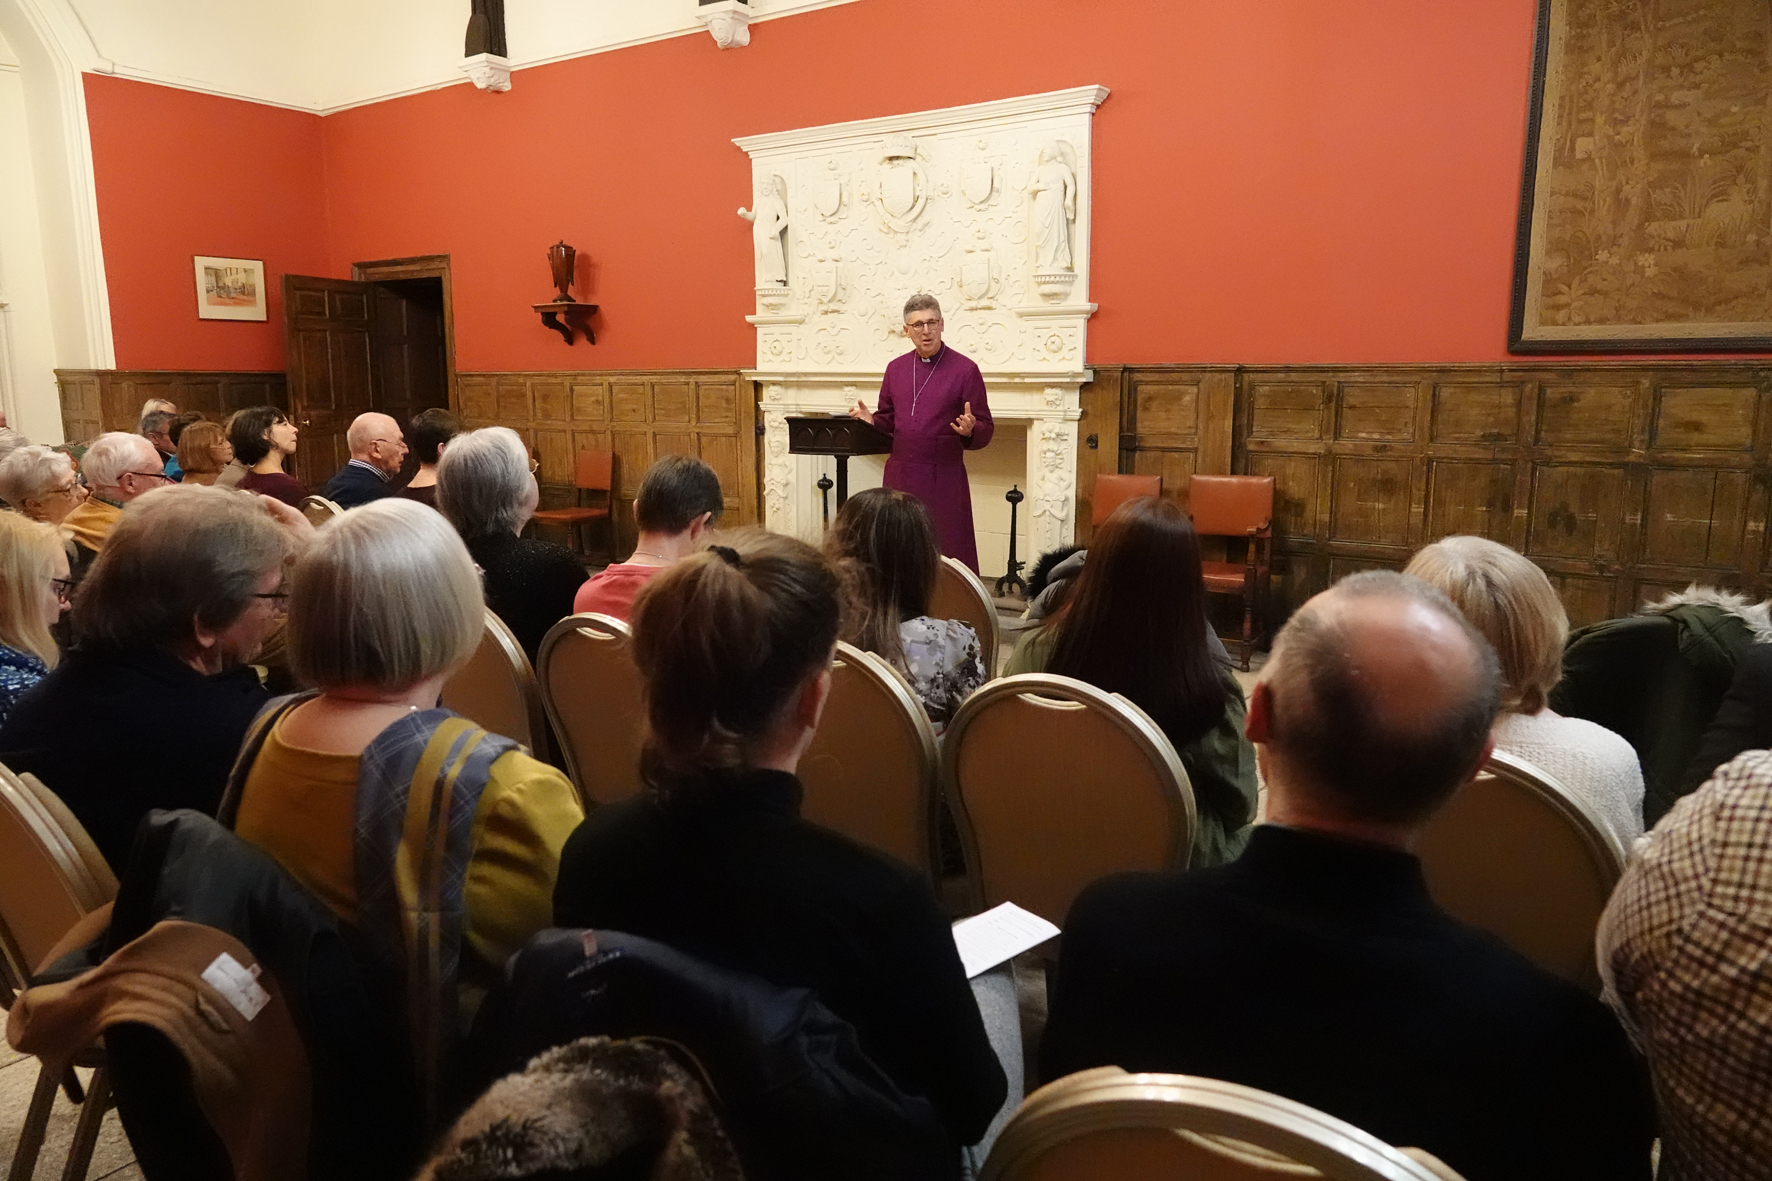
(1077, 100)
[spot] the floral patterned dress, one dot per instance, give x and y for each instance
(942, 662)
(18, 672)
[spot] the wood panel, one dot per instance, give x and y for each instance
(639, 416)
(97, 400)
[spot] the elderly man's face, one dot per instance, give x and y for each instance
(242, 640)
(923, 326)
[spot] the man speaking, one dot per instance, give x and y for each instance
(932, 403)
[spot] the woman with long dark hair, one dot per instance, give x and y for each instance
(884, 547)
(1135, 624)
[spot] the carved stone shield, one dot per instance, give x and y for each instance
(977, 179)
(975, 276)
(823, 281)
(827, 196)
(898, 187)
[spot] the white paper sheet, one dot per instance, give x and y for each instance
(986, 940)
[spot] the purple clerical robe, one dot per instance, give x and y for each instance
(919, 400)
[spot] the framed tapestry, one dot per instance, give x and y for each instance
(1646, 205)
(230, 288)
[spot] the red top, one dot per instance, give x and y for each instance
(612, 592)
(281, 485)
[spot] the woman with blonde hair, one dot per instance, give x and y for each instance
(1511, 601)
(203, 451)
(713, 858)
(346, 784)
(34, 591)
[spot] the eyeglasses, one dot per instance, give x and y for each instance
(278, 599)
(68, 489)
(64, 588)
(923, 325)
(534, 465)
(153, 475)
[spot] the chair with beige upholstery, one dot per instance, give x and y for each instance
(960, 595)
(496, 690)
(1517, 855)
(870, 772)
(318, 510)
(51, 877)
(1163, 1127)
(1054, 783)
(592, 692)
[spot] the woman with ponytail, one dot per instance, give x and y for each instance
(734, 647)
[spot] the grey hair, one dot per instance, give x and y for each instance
(180, 554)
(483, 482)
(1330, 726)
(114, 453)
(156, 421)
(11, 441)
(921, 301)
(31, 472)
(386, 595)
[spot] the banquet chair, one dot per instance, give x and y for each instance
(496, 690)
(1239, 507)
(52, 877)
(1155, 1127)
(870, 772)
(1113, 490)
(318, 510)
(1519, 856)
(592, 471)
(960, 595)
(1054, 783)
(591, 689)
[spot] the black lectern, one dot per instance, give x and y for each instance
(840, 436)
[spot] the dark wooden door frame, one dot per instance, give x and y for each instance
(421, 266)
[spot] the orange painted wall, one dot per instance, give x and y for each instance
(178, 174)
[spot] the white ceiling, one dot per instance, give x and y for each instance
(324, 55)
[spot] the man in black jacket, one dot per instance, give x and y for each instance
(378, 448)
(1317, 966)
(148, 709)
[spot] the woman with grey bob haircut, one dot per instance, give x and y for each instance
(40, 482)
(343, 785)
(486, 487)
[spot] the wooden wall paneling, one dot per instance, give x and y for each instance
(98, 400)
(1099, 434)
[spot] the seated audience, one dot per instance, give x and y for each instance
(734, 647)
(1508, 598)
(177, 429)
(263, 439)
(1683, 947)
(486, 487)
(342, 786)
(41, 483)
(884, 546)
(1743, 720)
(203, 451)
(377, 451)
(1136, 625)
(679, 501)
(427, 434)
(154, 404)
(34, 591)
(148, 709)
(1316, 966)
(156, 427)
(119, 467)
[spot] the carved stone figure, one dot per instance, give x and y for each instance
(1054, 193)
(768, 224)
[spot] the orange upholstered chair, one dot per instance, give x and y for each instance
(594, 471)
(1112, 491)
(1241, 507)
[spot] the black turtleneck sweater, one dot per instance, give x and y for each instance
(733, 875)
(1321, 970)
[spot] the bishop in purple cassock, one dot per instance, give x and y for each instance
(932, 403)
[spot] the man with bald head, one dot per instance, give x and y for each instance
(1316, 966)
(378, 448)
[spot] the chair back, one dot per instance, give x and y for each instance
(496, 690)
(1159, 1127)
(1231, 506)
(318, 510)
(870, 772)
(593, 471)
(51, 874)
(591, 688)
(1112, 491)
(960, 595)
(1517, 855)
(1054, 783)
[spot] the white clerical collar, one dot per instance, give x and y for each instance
(931, 358)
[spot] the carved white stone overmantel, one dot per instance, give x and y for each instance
(986, 207)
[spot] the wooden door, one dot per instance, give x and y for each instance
(330, 329)
(411, 370)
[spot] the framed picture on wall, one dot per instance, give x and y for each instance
(1646, 203)
(230, 288)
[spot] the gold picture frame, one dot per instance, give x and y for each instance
(229, 288)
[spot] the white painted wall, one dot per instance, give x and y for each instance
(27, 337)
(323, 55)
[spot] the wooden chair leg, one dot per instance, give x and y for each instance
(92, 1117)
(30, 1137)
